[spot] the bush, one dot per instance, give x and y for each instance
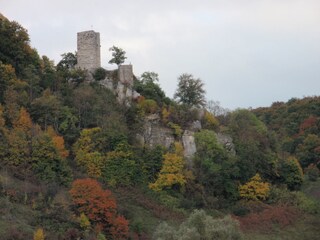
(295, 199)
(209, 121)
(199, 225)
(148, 106)
(177, 131)
(99, 74)
(270, 216)
(313, 173)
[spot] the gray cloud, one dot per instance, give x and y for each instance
(248, 53)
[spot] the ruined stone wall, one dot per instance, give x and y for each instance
(88, 45)
(125, 74)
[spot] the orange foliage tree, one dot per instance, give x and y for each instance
(58, 142)
(99, 206)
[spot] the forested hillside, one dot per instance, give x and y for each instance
(72, 167)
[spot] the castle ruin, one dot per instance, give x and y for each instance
(88, 46)
(88, 57)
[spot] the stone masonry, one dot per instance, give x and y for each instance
(125, 75)
(88, 45)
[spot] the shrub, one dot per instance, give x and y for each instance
(209, 121)
(99, 74)
(280, 215)
(312, 172)
(148, 106)
(295, 199)
(177, 131)
(199, 225)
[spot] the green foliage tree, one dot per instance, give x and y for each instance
(46, 162)
(291, 173)
(253, 144)
(68, 61)
(190, 91)
(214, 169)
(45, 110)
(121, 168)
(308, 152)
(49, 77)
(7, 77)
(99, 74)
(149, 88)
(118, 55)
(14, 47)
(151, 161)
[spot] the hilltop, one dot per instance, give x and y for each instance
(96, 154)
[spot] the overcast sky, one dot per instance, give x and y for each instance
(249, 53)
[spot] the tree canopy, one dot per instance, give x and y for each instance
(190, 91)
(118, 55)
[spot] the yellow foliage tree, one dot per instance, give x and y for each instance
(165, 115)
(86, 155)
(171, 172)
(210, 122)
(255, 189)
(39, 234)
(84, 222)
(2, 121)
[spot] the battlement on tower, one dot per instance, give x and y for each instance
(88, 50)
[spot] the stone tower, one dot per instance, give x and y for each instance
(88, 55)
(125, 75)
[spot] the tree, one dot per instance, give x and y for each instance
(149, 88)
(99, 74)
(171, 173)
(47, 163)
(190, 91)
(68, 61)
(39, 234)
(99, 206)
(255, 148)
(255, 189)
(87, 154)
(200, 226)
(120, 167)
(118, 55)
(14, 46)
(215, 108)
(84, 222)
(19, 141)
(213, 168)
(149, 77)
(45, 110)
(308, 152)
(291, 173)
(58, 142)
